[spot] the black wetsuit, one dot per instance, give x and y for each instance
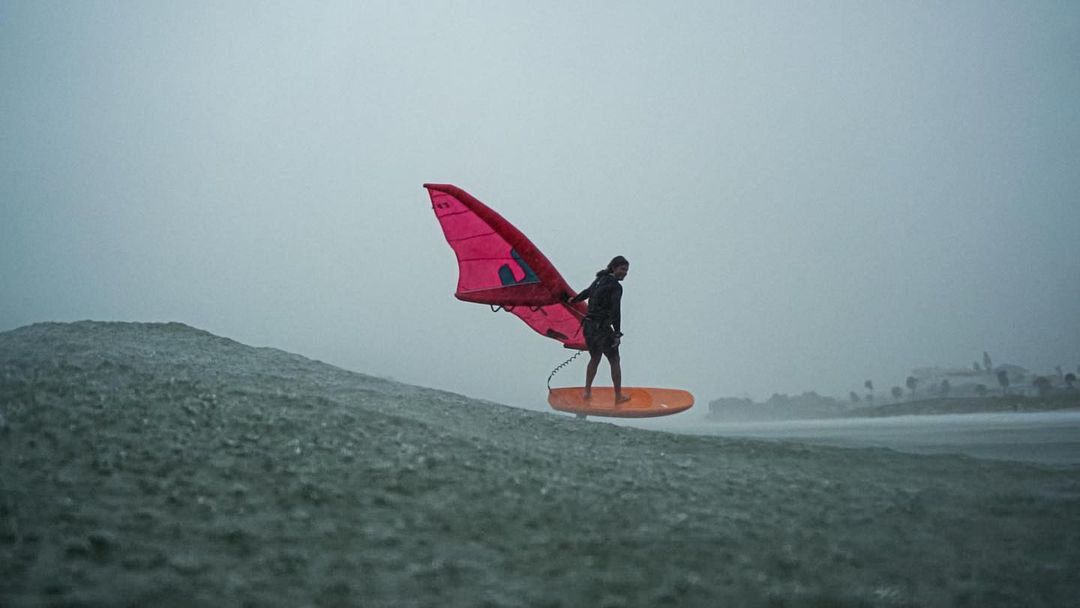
(601, 323)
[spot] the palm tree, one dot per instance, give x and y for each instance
(1003, 380)
(912, 382)
(1042, 384)
(897, 392)
(945, 388)
(869, 384)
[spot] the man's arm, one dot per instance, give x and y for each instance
(616, 309)
(583, 295)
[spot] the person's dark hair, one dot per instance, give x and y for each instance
(613, 264)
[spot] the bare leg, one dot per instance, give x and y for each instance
(590, 374)
(616, 379)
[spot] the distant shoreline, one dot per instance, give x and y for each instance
(970, 405)
(922, 407)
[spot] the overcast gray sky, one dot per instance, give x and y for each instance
(811, 194)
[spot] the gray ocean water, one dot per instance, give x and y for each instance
(1048, 438)
(161, 465)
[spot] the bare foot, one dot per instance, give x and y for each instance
(621, 399)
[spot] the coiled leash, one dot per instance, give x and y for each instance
(560, 366)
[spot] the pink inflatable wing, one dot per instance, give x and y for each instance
(498, 265)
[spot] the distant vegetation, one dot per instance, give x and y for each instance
(930, 390)
(969, 405)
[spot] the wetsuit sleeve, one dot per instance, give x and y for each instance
(583, 295)
(616, 309)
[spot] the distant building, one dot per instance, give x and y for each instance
(963, 380)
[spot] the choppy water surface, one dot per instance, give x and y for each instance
(158, 464)
(1051, 438)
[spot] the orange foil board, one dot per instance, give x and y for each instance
(644, 402)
